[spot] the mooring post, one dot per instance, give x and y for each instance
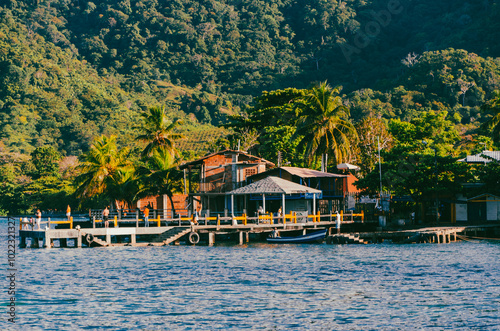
(79, 239)
(46, 240)
(211, 238)
(22, 242)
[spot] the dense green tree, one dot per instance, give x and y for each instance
(492, 125)
(372, 134)
(45, 159)
(278, 140)
(324, 124)
(158, 131)
(101, 169)
(159, 175)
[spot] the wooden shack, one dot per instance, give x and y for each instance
(212, 176)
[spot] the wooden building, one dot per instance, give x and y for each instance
(212, 176)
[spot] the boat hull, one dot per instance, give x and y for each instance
(313, 237)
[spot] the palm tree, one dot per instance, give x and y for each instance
(159, 175)
(158, 131)
(493, 124)
(323, 124)
(100, 168)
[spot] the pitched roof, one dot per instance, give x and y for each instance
(483, 157)
(226, 151)
(273, 185)
(309, 173)
(484, 195)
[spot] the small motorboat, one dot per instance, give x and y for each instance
(317, 236)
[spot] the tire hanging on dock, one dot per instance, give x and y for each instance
(89, 237)
(194, 238)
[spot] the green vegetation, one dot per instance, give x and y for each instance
(71, 71)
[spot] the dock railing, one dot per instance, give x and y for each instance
(24, 225)
(135, 218)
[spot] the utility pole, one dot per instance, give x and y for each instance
(379, 167)
(436, 185)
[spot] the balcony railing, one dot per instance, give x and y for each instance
(219, 187)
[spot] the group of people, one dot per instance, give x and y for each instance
(36, 222)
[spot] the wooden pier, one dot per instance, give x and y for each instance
(237, 229)
(437, 235)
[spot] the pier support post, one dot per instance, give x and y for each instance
(454, 236)
(437, 238)
(241, 238)
(22, 242)
(46, 240)
(247, 237)
(108, 237)
(211, 238)
(132, 238)
(79, 239)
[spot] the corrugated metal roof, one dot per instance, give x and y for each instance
(229, 151)
(309, 173)
(483, 157)
(273, 185)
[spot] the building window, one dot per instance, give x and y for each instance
(250, 172)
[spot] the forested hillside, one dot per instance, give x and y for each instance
(75, 73)
(73, 69)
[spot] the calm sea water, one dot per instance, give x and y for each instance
(257, 286)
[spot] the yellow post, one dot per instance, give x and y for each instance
(71, 222)
(362, 216)
(158, 220)
(341, 216)
(318, 217)
(271, 217)
(116, 221)
(284, 218)
(294, 217)
(21, 223)
(245, 219)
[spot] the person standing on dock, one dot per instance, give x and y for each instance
(68, 212)
(38, 219)
(105, 216)
(337, 222)
(146, 216)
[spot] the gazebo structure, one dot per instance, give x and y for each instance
(276, 186)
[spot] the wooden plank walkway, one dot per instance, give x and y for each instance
(156, 236)
(423, 235)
